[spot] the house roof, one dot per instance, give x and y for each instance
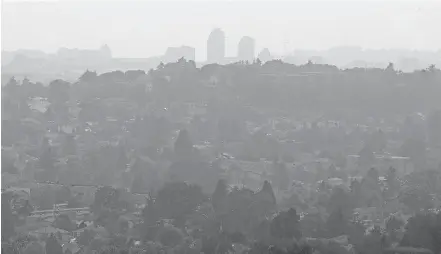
(50, 230)
(408, 250)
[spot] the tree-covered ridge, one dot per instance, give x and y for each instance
(274, 84)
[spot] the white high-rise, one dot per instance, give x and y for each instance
(265, 55)
(246, 49)
(216, 46)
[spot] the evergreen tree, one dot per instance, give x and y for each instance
(434, 128)
(286, 225)
(46, 161)
(336, 223)
(86, 237)
(64, 222)
(367, 156)
(219, 196)
(332, 171)
(373, 175)
(267, 193)
(8, 227)
(150, 213)
(26, 209)
(393, 184)
(53, 246)
(356, 194)
(138, 185)
(340, 200)
(35, 248)
(122, 160)
(282, 176)
(88, 76)
(417, 198)
(70, 145)
(183, 145)
(374, 242)
(415, 149)
(176, 200)
(423, 231)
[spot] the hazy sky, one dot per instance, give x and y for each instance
(142, 29)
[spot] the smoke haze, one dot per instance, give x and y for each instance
(150, 27)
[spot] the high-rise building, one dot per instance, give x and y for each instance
(173, 54)
(265, 55)
(105, 51)
(216, 46)
(246, 49)
(85, 55)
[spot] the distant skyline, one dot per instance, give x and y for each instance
(144, 29)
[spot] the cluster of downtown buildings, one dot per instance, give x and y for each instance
(69, 64)
(216, 50)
